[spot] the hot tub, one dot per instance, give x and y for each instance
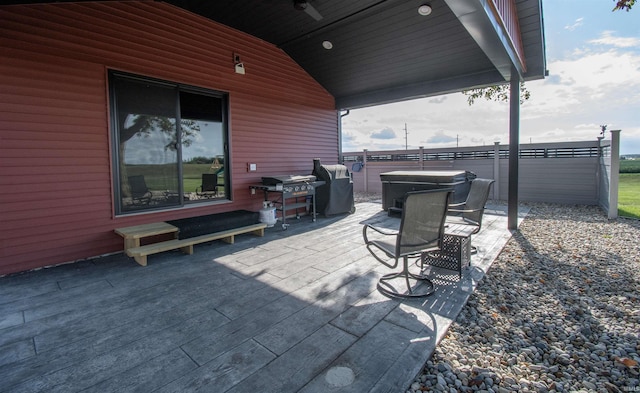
(397, 183)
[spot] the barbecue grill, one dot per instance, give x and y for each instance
(290, 187)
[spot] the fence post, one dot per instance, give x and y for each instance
(614, 174)
(365, 166)
(599, 173)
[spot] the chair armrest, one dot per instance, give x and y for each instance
(464, 210)
(384, 231)
(456, 204)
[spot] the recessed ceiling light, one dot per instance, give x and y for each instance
(327, 45)
(424, 10)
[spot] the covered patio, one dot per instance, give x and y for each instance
(275, 77)
(295, 310)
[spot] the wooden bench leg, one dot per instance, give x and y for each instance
(130, 243)
(258, 232)
(142, 260)
(229, 239)
(187, 249)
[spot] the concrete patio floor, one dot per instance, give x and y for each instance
(294, 311)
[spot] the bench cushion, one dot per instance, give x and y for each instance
(212, 223)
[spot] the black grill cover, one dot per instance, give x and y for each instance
(336, 195)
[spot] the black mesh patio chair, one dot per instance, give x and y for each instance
(140, 193)
(209, 186)
(470, 211)
(421, 230)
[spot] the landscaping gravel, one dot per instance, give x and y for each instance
(558, 311)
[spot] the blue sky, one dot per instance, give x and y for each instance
(593, 58)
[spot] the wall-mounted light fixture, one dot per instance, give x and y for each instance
(425, 10)
(327, 45)
(238, 64)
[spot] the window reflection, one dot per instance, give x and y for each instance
(203, 160)
(159, 162)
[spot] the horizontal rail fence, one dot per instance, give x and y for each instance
(563, 172)
(556, 152)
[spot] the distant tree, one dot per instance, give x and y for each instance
(623, 5)
(501, 92)
(201, 160)
(496, 93)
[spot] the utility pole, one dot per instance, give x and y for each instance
(406, 137)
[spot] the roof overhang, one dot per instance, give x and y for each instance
(384, 50)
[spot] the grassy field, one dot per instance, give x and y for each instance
(193, 176)
(156, 175)
(629, 195)
(629, 189)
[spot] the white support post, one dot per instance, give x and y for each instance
(496, 170)
(365, 166)
(614, 174)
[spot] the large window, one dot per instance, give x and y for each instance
(170, 144)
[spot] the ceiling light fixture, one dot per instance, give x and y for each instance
(425, 10)
(300, 5)
(327, 45)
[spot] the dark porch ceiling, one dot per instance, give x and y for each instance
(383, 50)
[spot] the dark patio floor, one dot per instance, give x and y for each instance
(295, 310)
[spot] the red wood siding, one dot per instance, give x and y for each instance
(55, 166)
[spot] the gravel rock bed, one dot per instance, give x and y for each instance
(559, 311)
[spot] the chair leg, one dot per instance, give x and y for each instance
(422, 285)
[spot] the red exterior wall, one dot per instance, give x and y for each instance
(55, 167)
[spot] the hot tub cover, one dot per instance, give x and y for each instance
(396, 184)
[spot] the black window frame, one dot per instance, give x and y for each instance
(180, 200)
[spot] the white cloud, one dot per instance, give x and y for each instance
(587, 90)
(629, 141)
(441, 137)
(597, 83)
(590, 83)
(442, 121)
(577, 23)
(609, 39)
(438, 100)
(385, 133)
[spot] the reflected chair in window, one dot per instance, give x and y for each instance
(209, 186)
(470, 211)
(140, 193)
(421, 230)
